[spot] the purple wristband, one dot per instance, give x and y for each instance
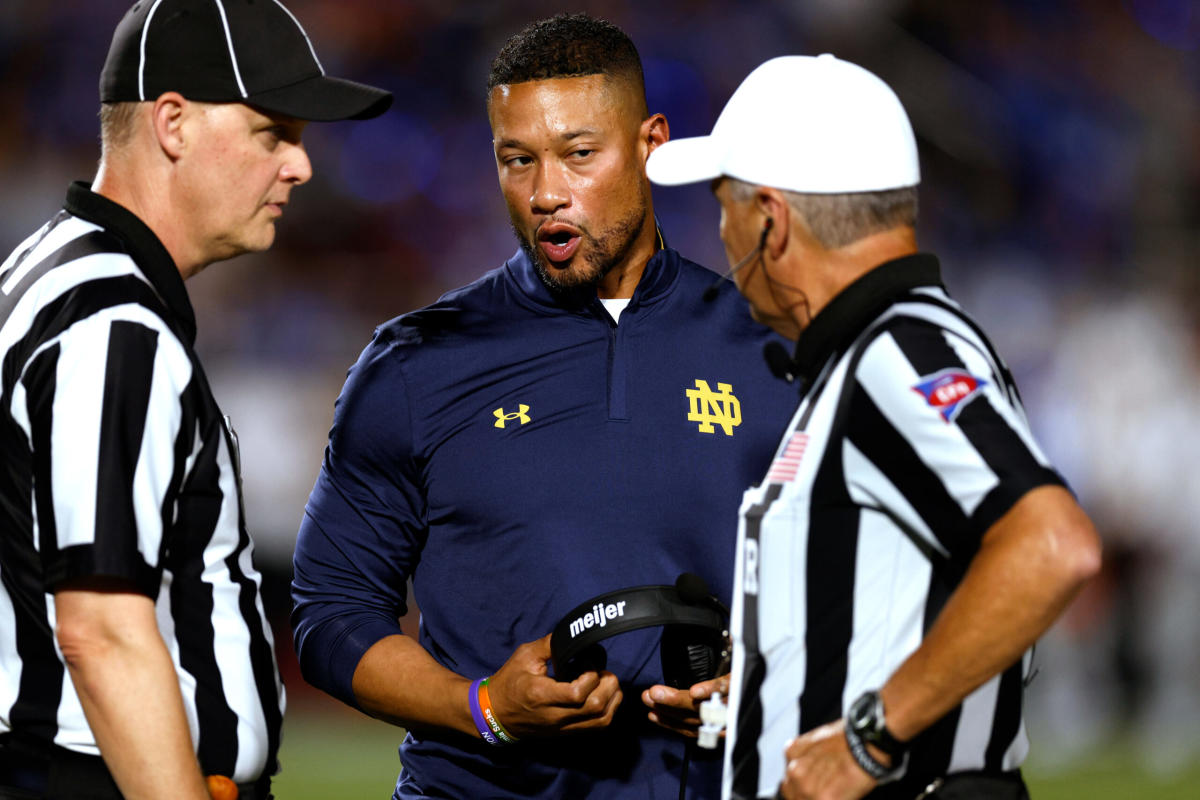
(481, 724)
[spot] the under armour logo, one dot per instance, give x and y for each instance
(709, 407)
(501, 418)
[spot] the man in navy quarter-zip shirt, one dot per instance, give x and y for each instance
(575, 422)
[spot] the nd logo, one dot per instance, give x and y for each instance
(522, 413)
(709, 407)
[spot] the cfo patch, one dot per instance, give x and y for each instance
(948, 390)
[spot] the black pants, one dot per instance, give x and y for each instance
(959, 786)
(32, 770)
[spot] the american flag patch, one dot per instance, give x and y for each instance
(787, 463)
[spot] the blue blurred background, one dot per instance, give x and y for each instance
(1060, 147)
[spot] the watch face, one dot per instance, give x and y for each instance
(861, 715)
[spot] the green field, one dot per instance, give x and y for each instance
(1111, 775)
(337, 755)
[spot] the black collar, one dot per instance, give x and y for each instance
(143, 246)
(853, 309)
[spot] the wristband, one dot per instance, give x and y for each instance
(485, 704)
(481, 725)
(881, 772)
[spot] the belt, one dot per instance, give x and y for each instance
(33, 769)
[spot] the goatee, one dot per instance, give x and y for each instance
(575, 283)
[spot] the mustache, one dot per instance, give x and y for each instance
(583, 229)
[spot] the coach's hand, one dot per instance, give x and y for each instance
(528, 702)
(678, 709)
(820, 767)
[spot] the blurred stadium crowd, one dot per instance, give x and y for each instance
(1061, 188)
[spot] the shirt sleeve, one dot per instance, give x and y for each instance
(363, 527)
(944, 444)
(102, 408)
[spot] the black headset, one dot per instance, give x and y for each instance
(695, 638)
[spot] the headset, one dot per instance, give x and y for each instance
(695, 640)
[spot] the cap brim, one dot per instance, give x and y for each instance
(324, 99)
(680, 161)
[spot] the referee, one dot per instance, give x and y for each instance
(135, 660)
(910, 541)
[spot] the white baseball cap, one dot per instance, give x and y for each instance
(813, 124)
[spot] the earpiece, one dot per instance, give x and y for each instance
(713, 290)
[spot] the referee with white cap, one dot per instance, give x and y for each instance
(135, 657)
(910, 541)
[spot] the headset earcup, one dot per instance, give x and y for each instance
(689, 655)
(702, 662)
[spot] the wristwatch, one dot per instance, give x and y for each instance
(866, 724)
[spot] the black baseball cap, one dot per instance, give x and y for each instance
(229, 51)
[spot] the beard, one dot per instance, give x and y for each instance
(596, 256)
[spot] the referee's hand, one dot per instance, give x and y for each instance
(528, 702)
(820, 767)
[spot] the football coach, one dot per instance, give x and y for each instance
(910, 541)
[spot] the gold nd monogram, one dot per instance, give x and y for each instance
(522, 413)
(709, 407)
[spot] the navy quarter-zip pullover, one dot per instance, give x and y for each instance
(514, 457)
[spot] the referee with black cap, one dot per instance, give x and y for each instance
(135, 658)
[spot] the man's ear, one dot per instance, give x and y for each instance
(654, 131)
(168, 115)
(772, 204)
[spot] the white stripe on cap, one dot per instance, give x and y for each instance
(311, 49)
(237, 73)
(142, 58)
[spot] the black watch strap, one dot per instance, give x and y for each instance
(865, 724)
(881, 772)
(883, 739)
(876, 769)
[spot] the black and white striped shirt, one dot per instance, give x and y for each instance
(116, 461)
(910, 441)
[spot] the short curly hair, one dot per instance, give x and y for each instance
(567, 46)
